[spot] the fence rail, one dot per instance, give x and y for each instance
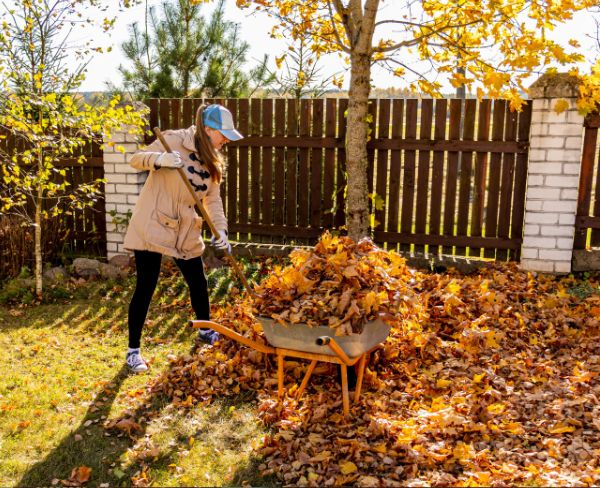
(587, 221)
(446, 176)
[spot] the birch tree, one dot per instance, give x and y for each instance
(43, 117)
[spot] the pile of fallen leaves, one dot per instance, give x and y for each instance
(488, 379)
(338, 283)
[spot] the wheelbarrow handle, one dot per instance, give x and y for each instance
(227, 332)
(335, 347)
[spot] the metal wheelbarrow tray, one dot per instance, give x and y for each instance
(302, 337)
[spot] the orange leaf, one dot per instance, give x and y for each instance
(81, 474)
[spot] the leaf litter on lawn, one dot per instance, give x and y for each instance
(489, 379)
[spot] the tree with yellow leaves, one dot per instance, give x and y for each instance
(488, 46)
(40, 111)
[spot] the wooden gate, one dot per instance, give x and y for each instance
(587, 222)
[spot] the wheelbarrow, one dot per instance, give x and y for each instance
(315, 344)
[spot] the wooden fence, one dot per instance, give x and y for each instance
(587, 222)
(448, 175)
(75, 231)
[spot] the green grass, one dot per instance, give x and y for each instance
(64, 377)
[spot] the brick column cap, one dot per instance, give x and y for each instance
(555, 85)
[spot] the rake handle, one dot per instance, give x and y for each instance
(234, 264)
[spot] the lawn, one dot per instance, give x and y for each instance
(487, 379)
(64, 379)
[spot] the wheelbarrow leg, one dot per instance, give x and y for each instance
(345, 399)
(361, 372)
(280, 358)
(309, 372)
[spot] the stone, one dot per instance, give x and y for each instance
(86, 268)
(58, 274)
(584, 260)
(110, 272)
(122, 261)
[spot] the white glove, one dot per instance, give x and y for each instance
(169, 160)
(221, 243)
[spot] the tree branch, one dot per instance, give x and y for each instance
(338, 38)
(417, 40)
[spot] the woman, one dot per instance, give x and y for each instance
(164, 220)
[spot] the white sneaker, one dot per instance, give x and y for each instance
(135, 362)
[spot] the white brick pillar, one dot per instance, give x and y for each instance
(123, 185)
(553, 176)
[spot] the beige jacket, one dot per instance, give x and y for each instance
(164, 219)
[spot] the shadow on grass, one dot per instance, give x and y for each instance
(84, 446)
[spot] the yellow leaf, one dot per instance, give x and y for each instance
(561, 428)
(442, 383)
(561, 105)
(478, 377)
(496, 408)
(348, 467)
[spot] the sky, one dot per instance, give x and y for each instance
(255, 30)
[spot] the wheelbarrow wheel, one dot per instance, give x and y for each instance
(352, 376)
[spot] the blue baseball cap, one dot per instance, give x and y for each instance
(219, 118)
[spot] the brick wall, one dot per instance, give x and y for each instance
(123, 185)
(553, 176)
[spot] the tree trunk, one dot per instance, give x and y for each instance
(38, 244)
(357, 218)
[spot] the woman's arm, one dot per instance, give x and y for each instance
(145, 159)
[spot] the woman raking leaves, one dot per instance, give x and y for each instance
(164, 220)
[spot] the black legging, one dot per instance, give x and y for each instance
(147, 267)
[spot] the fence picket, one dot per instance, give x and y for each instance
(518, 205)
(291, 154)
(479, 184)
(395, 169)
(382, 164)
(437, 173)
(231, 173)
(452, 172)
(303, 169)
(316, 165)
(466, 166)
(506, 182)
(255, 193)
(267, 165)
(492, 207)
(423, 171)
(408, 186)
(588, 158)
(243, 191)
(340, 186)
(329, 168)
(279, 185)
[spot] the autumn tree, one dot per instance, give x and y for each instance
(42, 119)
(488, 46)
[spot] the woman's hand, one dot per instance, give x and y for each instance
(169, 160)
(221, 243)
